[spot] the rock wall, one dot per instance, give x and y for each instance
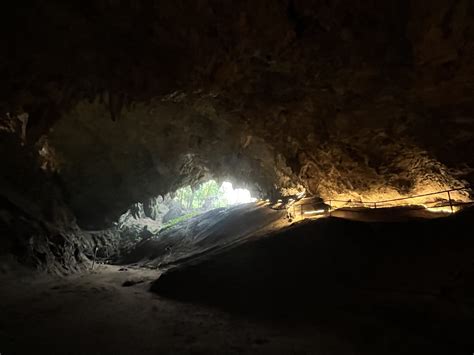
(118, 101)
(37, 227)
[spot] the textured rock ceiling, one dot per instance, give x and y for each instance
(131, 99)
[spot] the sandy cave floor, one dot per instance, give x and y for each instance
(93, 313)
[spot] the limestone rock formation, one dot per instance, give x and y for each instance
(108, 103)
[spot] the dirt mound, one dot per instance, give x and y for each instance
(416, 273)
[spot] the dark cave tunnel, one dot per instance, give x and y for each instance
(350, 123)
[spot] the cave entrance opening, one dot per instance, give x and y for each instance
(187, 202)
(210, 195)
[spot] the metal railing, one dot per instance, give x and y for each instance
(445, 202)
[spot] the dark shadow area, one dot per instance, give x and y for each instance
(415, 277)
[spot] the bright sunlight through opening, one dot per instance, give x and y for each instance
(236, 196)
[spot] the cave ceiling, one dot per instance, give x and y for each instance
(131, 99)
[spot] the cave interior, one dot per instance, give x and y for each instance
(237, 177)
